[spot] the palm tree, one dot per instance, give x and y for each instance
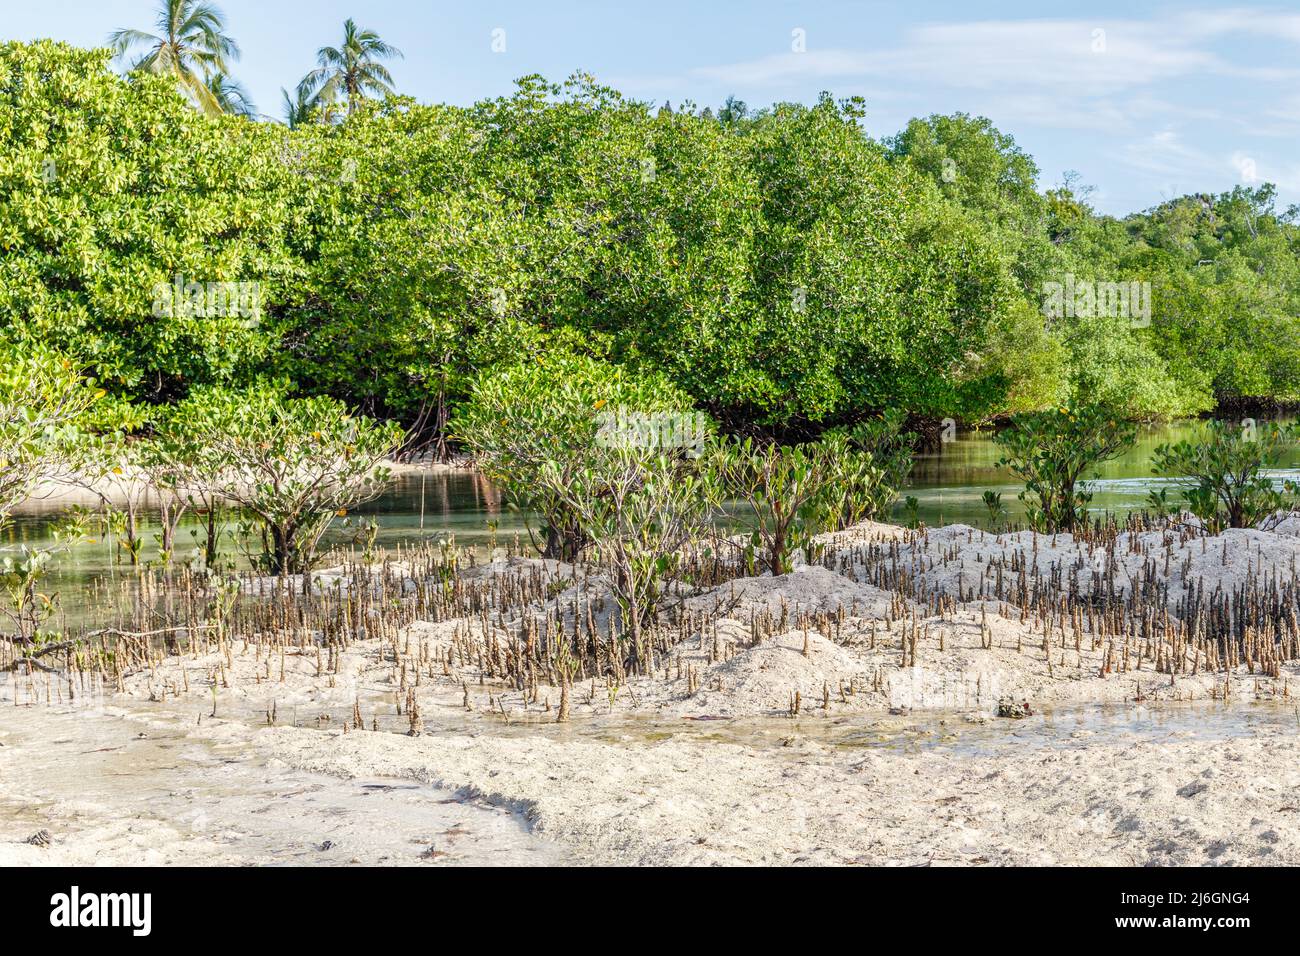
(299, 108)
(296, 106)
(350, 71)
(190, 46)
(230, 95)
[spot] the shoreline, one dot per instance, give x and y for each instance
(53, 493)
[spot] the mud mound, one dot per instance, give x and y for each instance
(762, 680)
(967, 563)
(808, 589)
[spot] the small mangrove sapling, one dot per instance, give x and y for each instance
(1220, 473)
(641, 508)
(1055, 453)
(295, 464)
(785, 489)
(556, 414)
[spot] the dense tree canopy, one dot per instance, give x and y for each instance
(786, 273)
(782, 268)
(110, 191)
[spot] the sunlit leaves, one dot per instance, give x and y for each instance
(1221, 472)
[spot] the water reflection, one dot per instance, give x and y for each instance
(948, 482)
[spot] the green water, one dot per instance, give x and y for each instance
(415, 507)
(948, 481)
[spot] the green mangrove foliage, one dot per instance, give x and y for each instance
(185, 473)
(1055, 454)
(641, 508)
(1223, 274)
(294, 463)
(27, 607)
(1220, 473)
(43, 400)
(997, 511)
(783, 489)
(537, 426)
(793, 493)
(168, 467)
(785, 276)
(783, 270)
(125, 216)
(108, 467)
(609, 459)
(873, 464)
(617, 462)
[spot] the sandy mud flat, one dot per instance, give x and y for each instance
(112, 786)
(811, 718)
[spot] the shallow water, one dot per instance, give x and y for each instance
(950, 479)
(948, 482)
(94, 775)
(1062, 727)
(1076, 726)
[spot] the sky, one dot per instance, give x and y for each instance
(1144, 101)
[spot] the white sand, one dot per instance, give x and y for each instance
(147, 787)
(693, 802)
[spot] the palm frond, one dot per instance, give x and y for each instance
(230, 96)
(351, 70)
(120, 41)
(191, 46)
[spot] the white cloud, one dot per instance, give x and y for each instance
(1246, 167)
(1164, 153)
(1171, 97)
(1051, 71)
(1047, 54)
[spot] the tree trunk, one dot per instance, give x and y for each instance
(132, 534)
(210, 548)
(282, 549)
(562, 544)
(440, 450)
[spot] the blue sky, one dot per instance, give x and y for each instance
(1145, 101)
